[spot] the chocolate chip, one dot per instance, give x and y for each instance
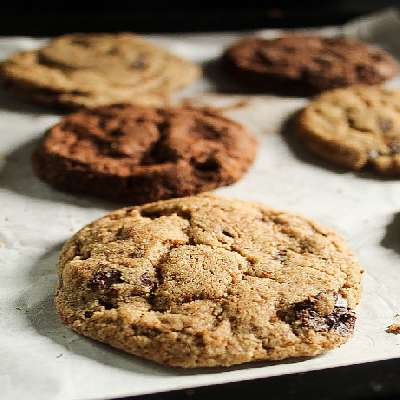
(146, 280)
(342, 320)
(106, 304)
(88, 314)
(385, 124)
(105, 279)
(304, 315)
(309, 318)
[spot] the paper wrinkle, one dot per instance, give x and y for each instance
(42, 359)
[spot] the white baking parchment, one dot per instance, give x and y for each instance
(42, 359)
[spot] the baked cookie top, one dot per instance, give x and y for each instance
(144, 153)
(96, 69)
(208, 281)
(311, 63)
(355, 127)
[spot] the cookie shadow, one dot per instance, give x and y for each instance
(223, 82)
(391, 239)
(16, 104)
(300, 151)
(226, 81)
(38, 307)
(17, 176)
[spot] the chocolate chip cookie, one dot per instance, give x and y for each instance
(139, 154)
(209, 281)
(305, 64)
(88, 70)
(355, 128)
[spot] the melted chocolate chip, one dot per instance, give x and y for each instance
(105, 279)
(88, 314)
(106, 304)
(146, 280)
(304, 315)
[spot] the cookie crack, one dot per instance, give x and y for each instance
(159, 151)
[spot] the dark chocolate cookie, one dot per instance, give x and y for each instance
(304, 64)
(138, 154)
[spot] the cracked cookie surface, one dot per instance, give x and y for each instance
(209, 281)
(137, 154)
(90, 70)
(354, 128)
(305, 64)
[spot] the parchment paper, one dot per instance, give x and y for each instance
(42, 359)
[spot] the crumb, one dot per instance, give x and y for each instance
(19, 308)
(59, 355)
(394, 328)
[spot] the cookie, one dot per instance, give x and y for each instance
(209, 281)
(304, 64)
(140, 154)
(97, 69)
(354, 128)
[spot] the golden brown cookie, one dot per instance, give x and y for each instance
(140, 154)
(304, 64)
(209, 281)
(354, 128)
(97, 69)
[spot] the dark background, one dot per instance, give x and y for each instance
(379, 380)
(43, 18)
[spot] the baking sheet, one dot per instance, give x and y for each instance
(42, 359)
